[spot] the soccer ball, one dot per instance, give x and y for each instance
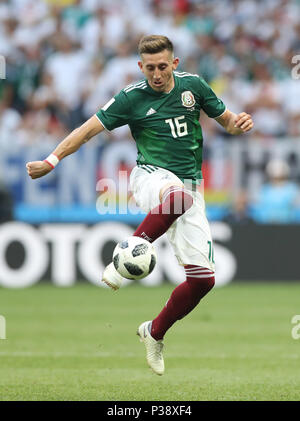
(134, 258)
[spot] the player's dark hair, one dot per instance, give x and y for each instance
(152, 44)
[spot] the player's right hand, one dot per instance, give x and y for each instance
(37, 169)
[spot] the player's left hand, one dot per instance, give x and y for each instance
(243, 122)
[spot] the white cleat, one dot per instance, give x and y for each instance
(153, 349)
(111, 277)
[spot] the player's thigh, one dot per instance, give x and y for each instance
(147, 185)
(190, 236)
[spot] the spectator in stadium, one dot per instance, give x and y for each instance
(278, 198)
(264, 102)
(68, 68)
(10, 120)
(239, 212)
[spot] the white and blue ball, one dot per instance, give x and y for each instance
(134, 258)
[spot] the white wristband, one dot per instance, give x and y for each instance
(52, 160)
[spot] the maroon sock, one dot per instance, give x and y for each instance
(184, 298)
(175, 202)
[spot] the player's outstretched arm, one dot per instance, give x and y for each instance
(66, 147)
(235, 124)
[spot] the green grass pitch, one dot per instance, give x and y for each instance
(80, 344)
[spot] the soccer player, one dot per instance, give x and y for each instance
(163, 112)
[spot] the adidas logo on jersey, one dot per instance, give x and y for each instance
(151, 111)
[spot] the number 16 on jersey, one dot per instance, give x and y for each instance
(177, 129)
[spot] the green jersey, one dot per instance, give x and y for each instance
(165, 126)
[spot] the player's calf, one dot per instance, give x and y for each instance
(184, 298)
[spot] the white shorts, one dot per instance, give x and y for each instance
(190, 234)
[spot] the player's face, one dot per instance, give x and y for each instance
(158, 69)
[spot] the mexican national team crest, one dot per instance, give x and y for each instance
(187, 99)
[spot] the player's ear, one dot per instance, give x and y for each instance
(140, 64)
(175, 63)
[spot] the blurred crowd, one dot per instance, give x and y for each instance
(277, 200)
(67, 58)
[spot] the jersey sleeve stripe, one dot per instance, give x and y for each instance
(128, 86)
(185, 74)
(136, 85)
(108, 104)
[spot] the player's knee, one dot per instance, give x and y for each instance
(179, 200)
(211, 283)
(207, 283)
(203, 284)
(168, 188)
(187, 200)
